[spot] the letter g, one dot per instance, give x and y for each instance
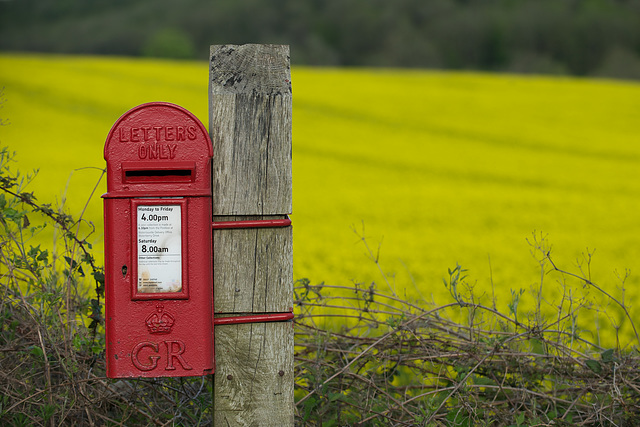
(135, 358)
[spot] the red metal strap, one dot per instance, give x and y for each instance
(254, 318)
(260, 223)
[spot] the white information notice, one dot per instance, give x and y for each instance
(159, 248)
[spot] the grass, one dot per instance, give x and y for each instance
(434, 169)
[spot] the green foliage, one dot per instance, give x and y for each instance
(169, 43)
(44, 307)
(598, 37)
(456, 277)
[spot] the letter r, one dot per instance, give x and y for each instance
(177, 354)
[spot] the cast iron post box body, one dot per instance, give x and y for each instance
(158, 261)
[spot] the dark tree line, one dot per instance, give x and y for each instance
(579, 37)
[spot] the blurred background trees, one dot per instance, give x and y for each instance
(577, 37)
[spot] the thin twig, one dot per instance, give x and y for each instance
(384, 337)
(590, 283)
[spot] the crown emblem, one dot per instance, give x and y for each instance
(160, 322)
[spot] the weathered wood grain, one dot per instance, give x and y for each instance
(252, 268)
(253, 384)
(250, 123)
(250, 113)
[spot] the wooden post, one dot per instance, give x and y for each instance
(250, 126)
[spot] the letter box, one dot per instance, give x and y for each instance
(158, 261)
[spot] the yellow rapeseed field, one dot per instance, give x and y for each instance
(433, 168)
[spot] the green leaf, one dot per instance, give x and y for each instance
(537, 346)
(72, 262)
(47, 411)
(37, 351)
(33, 251)
(607, 356)
(98, 276)
(335, 396)
(594, 365)
(309, 406)
(27, 197)
(10, 213)
(43, 256)
(458, 419)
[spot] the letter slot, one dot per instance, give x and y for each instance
(143, 172)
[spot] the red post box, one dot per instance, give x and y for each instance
(158, 261)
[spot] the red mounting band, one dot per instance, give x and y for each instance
(260, 223)
(255, 318)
